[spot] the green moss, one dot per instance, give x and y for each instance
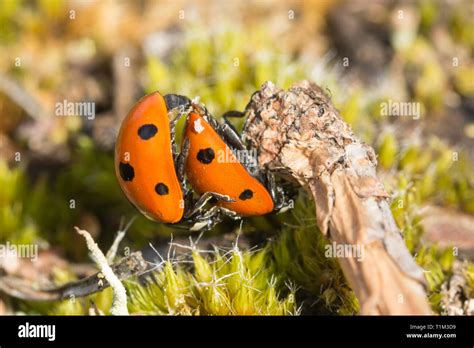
(16, 226)
(438, 173)
(300, 254)
(226, 71)
(436, 261)
(291, 271)
(388, 149)
(233, 283)
(469, 273)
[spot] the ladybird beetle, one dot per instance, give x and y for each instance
(148, 168)
(211, 165)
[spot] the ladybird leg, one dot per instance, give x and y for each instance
(272, 187)
(206, 221)
(282, 202)
(229, 213)
(181, 161)
(211, 218)
(246, 157)
(227, 132)
(174, 115)
(218, 213)
(203, 226)
(188, 199)
(232, 114)
(204, 199)
(233, 139)
(203, 222)
(231, 136)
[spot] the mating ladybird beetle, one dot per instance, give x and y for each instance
(152, 174)
(149, 171)
(144, 161)
(211, 165)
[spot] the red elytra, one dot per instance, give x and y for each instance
(144, 162)
(211, 166)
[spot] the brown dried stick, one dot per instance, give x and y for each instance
(134, 264)
(300, 134)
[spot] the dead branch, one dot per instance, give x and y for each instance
(457, 299)
(300, 134)
(119, 302)
(134, 264)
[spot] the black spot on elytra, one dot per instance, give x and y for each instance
(246, 194)
(147, 131)
(161, 189)
(206, 156)
(127, 173)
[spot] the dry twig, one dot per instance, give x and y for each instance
(119, 303)
(17, 287)
(300, 134)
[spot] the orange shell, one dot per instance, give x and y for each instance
(218, 170)
(144, 161)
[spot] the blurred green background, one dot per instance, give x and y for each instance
(57, 172)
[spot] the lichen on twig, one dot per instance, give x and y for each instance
(119, 304)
